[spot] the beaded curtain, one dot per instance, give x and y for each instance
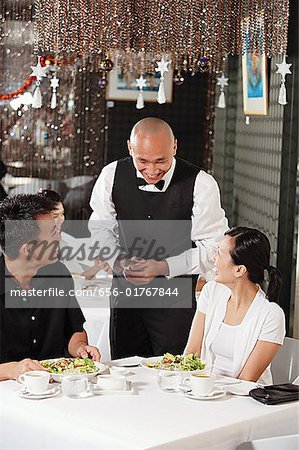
(47, 143)
(69, 140)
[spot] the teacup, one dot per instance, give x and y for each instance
(201, 383)
(112, 382)
(36, 381)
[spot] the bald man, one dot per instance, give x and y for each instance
(162, 220)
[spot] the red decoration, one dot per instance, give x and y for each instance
(44, 61)
(19, 91)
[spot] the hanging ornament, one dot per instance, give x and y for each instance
(103, 82)
(222, 81)
(283, 70)
(37, 96)
(162, 68)
(141, 83)
(204, 64)
(106, 65)
(39, 72)
(178, 79)
(54, 86)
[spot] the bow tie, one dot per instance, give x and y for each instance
(142, 182)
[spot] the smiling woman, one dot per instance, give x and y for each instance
(238, 328)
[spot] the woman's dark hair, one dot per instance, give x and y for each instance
(52, 195)
(252, 250)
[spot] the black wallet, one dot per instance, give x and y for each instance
(276, 394)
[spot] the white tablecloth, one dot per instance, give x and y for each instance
(151, 419)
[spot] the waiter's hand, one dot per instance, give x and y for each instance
(143, 272)
(98, 265)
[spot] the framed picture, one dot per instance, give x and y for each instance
(255, 82)
(122, 85)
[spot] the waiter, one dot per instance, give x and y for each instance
(151, 208)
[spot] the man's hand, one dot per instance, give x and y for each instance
(15, 369)
(98, 265)
(84, 351)
(144, 271)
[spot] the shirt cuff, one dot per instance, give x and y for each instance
(177, 266)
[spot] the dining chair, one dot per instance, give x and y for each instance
(285, 366)
(290, 442)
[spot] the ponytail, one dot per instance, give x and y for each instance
(275, 283)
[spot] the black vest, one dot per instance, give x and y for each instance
(132, 203)
(154, 224)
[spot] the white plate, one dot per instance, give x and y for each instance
(59, 376)
(131, 361)
(156, 359)
(116, 370)
(96, 390)
(51, 392)
(219, 393)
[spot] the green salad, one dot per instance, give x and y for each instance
(70, 365)
(186, 363)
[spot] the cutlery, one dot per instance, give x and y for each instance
(130, 365)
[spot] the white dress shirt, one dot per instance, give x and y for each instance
(208, 220)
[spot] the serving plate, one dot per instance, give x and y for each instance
(157, 359)
(59, 376)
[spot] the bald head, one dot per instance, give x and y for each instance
(152, 146)
(151, 126)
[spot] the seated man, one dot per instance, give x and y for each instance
(39, 314)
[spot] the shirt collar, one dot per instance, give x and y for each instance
(167, 177)
(8, 282)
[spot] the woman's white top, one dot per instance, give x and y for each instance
(226, 348)
(223, 349)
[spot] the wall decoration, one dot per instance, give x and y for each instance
(255, 79)
(283, 70)
(196, 34)
(122, 85)
(222, 81)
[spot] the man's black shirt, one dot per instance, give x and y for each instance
(37, 327)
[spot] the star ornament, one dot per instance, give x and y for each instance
(222, 81)
(38, 71)
(284, 68)
(141, 82)
(162, 66)
(54, 82)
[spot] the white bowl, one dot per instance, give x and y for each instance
(115, 370)
(112, 382)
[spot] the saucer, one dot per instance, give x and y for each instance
(51, 392)
(242, 388)
(219, 393)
